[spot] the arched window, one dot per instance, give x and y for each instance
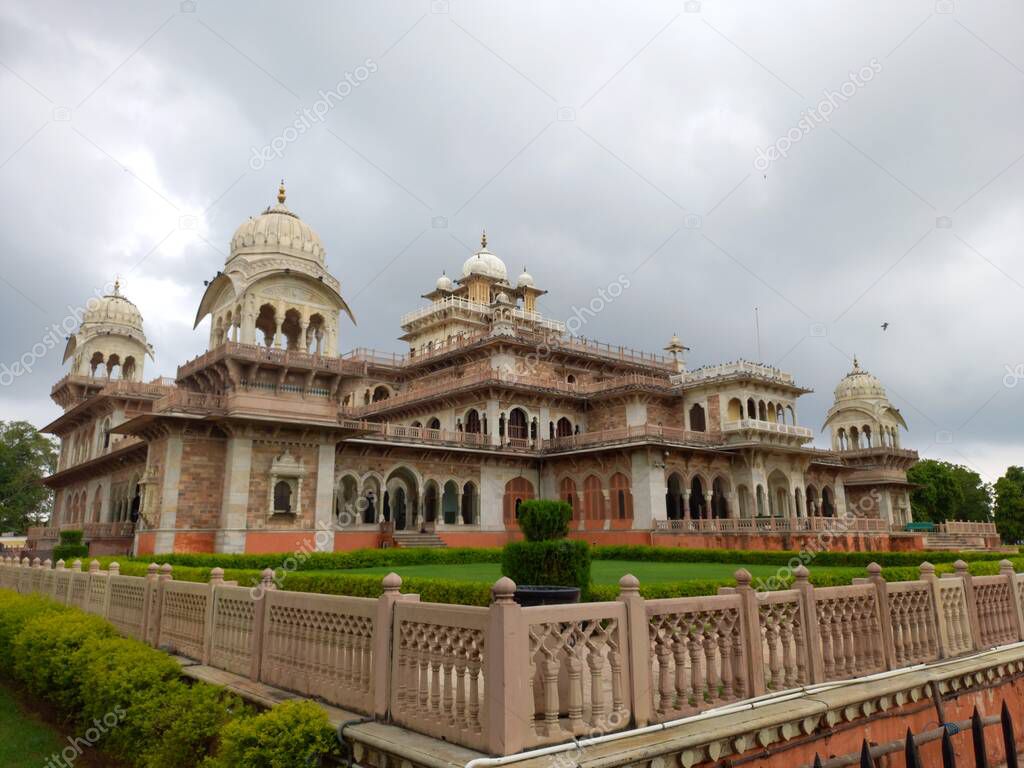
(622, 496)
(762, 411)
(517, 426)
(734, 412)
(697, 421)
(282, 497)
(828, 507)
(751, 408)
(567, 493)
(266, 323)
(674, 497)
(473, 422)
(434, 423)
(719, 502)
(593, 498)
(381, 393)
(517, 490)
(698, 504)
(450, 502)
(563, 428)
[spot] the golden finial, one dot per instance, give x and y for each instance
(280, 193)
(483, 239)
(117, 286)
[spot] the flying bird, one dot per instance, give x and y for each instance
(885, 326)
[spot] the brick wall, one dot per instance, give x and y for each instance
(201, 488)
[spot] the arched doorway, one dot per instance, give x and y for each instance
(401, 495)
(430, 501)
(450, 502)
(828, 507)
(473, 425)
(698, 504)
(563, 427)
(674, 497)
(593, 498)
(719, 502)
(779, 496)
(567, 493)
(469, 516)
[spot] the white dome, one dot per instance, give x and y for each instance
(502, 298)
(278, 228)
(859, 383)
(444, 283)
(485, 263)
(525, 280)
(113, 309)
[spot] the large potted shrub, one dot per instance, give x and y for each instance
(548, 567)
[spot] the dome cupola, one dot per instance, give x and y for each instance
(278, 230)
(484, 263)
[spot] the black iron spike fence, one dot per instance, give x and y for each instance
(910, 744)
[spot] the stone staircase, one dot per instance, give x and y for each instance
(965, 542)
(410, 539)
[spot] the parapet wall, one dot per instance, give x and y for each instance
(506, 678)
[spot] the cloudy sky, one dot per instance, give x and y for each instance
(837, 165)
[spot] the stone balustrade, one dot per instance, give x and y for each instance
(506, 678)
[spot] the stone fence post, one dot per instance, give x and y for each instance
(960, 570)
(639, 649)
(812, 632)
(1016, 616)
(216, 580)
(509, 707)
(927, 571)
(156, 609)
(383, 628)
(884, 615)
(750, 632)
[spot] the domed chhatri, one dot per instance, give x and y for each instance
(278, 229)
(862, 416)
(110, 342)
(275, 290)
(444, 283)
(525, 280)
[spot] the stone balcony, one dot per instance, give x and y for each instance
(758, 431)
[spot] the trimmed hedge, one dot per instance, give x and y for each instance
(559, 563)
(544, 519)
(783, 557)
(130, 700)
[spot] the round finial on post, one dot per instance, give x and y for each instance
(926, 569)
(801, 574)
(114, 569)
(152, 571)
(874, 570)
(60, 564)
(1005, 568)
(165, 571)
(960, 568)
(36, 562)
(629, 585)
(504, 590)
(94, 566)
(77, 565)
(26, 563)
(47, 563)
(216, 576)
(391, 583)
(742, 578)
(267, 579)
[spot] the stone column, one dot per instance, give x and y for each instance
(324, 512)
(169, 496)
(649, 489)
(492, 422)
(885, 506)
(840, 498)
(105, 499)
(235, 502)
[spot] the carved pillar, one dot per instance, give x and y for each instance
(164, 541)
(324, 511)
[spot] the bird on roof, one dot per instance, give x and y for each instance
(885, 326)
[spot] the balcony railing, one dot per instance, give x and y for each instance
(722, 370)
(775, 525)
(963, 526)
(769, 427)
(290, 358)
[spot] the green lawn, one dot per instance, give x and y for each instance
(25, 741)
(602, 571)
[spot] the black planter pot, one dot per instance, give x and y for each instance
(528, 595)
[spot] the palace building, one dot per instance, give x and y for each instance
(272, 441)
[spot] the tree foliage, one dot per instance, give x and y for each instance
(948, 492)
(1009, 491)
(26, 457)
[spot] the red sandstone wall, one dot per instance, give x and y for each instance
(201, 487)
